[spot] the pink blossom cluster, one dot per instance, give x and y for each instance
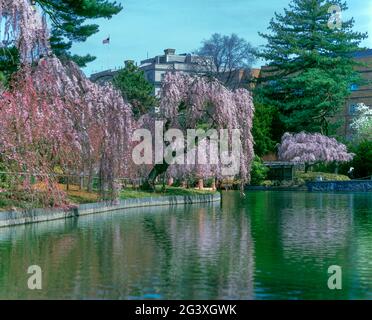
(203, 168)
(189, 101)
(101, 118)
(24, 28)
(54, 116)
(311, 148)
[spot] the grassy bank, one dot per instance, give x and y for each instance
(313, 176)
(301, 178)
(169, 191)
(77, 196)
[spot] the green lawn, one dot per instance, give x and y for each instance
(77, 196)
(169, 191)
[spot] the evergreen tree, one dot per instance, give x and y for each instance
(135, 89)
(262, 129)
(311, 65)
(68, 19)
(9, 63)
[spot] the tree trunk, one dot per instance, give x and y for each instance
(81, 182)
(67, 183)
(90, 177)
(214, 188)
(200, 184)
(158, 169)
(163, 189)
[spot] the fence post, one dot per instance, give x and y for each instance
(67, 183)
(81, 184)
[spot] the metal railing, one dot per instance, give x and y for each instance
(365, 178)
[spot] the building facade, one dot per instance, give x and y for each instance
(103, 76)
(359, 94)
(155, 68)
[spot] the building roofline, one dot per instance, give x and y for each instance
(363, 53)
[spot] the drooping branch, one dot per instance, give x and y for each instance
(310, 148)
(54, 117)
(24, 26)
(191, 102)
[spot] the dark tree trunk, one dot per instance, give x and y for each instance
(90, 177)
(158, 169)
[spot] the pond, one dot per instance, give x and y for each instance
(272, 245)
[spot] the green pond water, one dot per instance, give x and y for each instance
(272, 245)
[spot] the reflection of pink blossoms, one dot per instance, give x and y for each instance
(310, 148)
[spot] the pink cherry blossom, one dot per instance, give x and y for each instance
(312, 147)
(53, 116)
(200, 99)
(24, 28)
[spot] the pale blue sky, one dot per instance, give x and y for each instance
(149, 26)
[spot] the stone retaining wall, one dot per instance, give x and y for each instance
(12, 218)
(352, 186)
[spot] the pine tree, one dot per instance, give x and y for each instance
(68, 18)
(263, 121)
(9, 63)
(311, 66)
(135, 89)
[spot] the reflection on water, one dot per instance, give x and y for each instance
(272, 245)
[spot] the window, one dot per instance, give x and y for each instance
(353, 109)
(150, 76)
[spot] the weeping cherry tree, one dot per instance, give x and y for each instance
(52, 115)
(196, 102)
(312, 148)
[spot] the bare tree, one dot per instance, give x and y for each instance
(232, 57)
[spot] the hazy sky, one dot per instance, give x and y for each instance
(147, 27)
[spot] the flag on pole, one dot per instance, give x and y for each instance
(106, 41)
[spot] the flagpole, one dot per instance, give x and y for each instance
(107, 57)
(108, 52)
(107, 42)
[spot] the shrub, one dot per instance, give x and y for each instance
(259, 171)
(362, 161)
(312, 176)
(267, 183)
